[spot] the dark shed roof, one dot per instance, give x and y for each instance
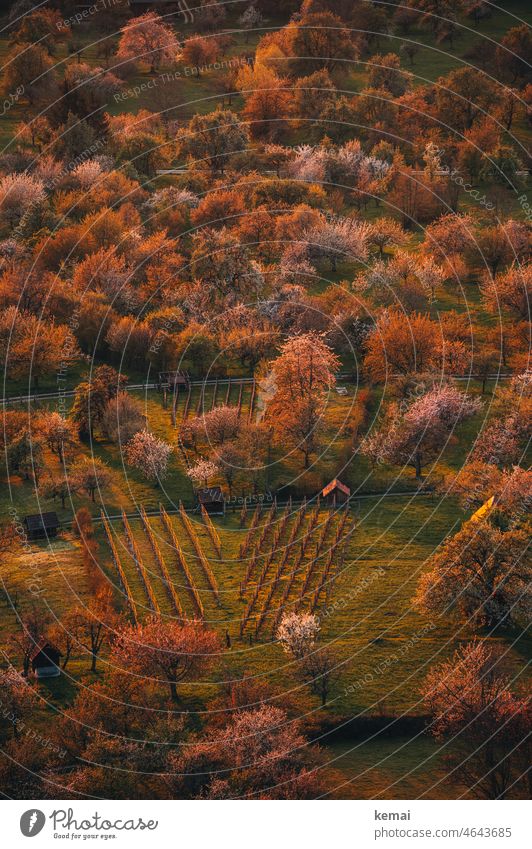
(213, 493)
(48, 650)
(40, 521)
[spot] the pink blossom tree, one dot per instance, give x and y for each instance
(168, 652)
(471, 702)
(415, 435)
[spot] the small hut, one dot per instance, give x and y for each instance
(42, 525)
(212, 499)
(174, 380)
(335, 493)
(45, 661)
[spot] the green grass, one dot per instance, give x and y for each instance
(368, 616)
(390, 768)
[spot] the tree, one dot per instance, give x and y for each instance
(338, 239)
(213, 138)
(29, 68)
(123, 418)
(85, 92)
(95, 624)
(402, 344)
(319, 670)
(90, 474)
(231, 458)
(514, 54)
(149, 40)
(200, 473)
(218, 209)
(302, 374)
(464, 96)
(57, 487)
(385, 232)
(417, 434)
(40, 347)
(297, 633)
(385, 73)
(58, 433)
(199, 51)
(18, 194)
(169, 652)
(92, 397)
(319, 40)
(42, 26)
(259, 753)
(267, 100)
(511, 490)
(33, 625)
(492, 248)
(450, 234)
(18, 702)
(250, 19)
(251, 344)
(225, 268)
(511, 291)
(219, 424)
(503, 441)
(470, 699)
(149, 455)
(482, 575)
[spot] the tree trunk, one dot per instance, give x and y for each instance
(417, 459)
(173, 691)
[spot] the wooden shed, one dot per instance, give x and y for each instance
(212, 499)
(42, 525)
(174, 379)
(45, 661)
(335, 493)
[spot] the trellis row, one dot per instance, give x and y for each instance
(325, 578)
(135, 554)
(244, 547)
(199, 552)
(252, 561)
(182, 563)
(267, 524)
(256, 551)
(211, 530)
(119, 568)
(288, 588)
(162, 565)
(240, 393)
(267, 563)
(252, 401)
(313, 562)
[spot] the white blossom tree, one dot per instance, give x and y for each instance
(201, 472)
(297, 633)
(19, 192)
(149, 455)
